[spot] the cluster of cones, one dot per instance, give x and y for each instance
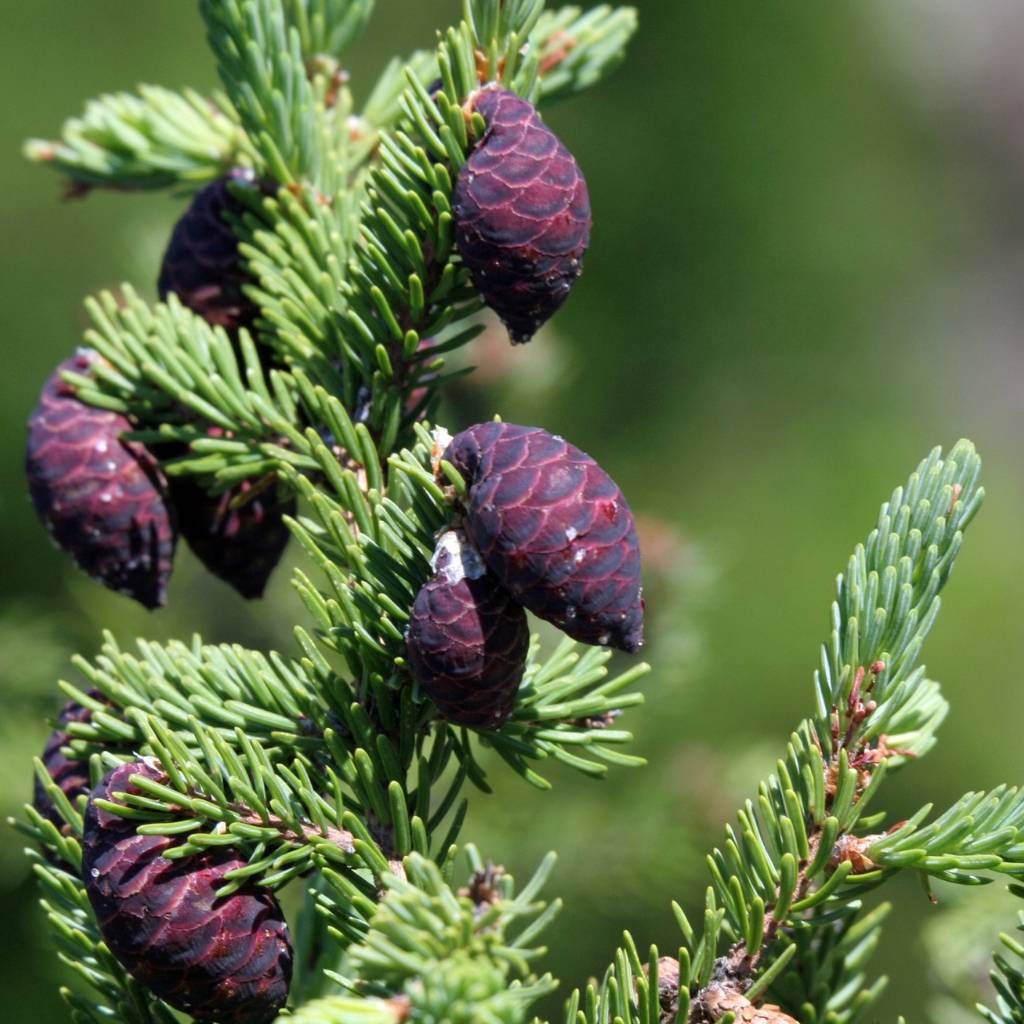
(106, 501)
(543, 528)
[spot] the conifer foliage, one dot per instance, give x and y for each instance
(284, 383)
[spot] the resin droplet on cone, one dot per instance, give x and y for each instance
(101, 499)
(522, 214)
(241, 545)
(555, 529)
(227, 960)
(202, 265)
(467, 639)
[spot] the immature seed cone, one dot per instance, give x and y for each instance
(242, 545)
(522, 214)
(202, 265)
(226, 960)
(101, 499)
(70, 773)
(555, 529)
(467, 638)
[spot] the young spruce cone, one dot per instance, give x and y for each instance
(101, 499)
(70, 773)
(555, 529)
(522, 214)
(242, 545)
(227, 960)
(467, 638)
(202, 265)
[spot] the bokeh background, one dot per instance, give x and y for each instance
(806, 271)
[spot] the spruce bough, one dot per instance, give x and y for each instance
(327, 767)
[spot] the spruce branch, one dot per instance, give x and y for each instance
(888, 601)
(800, 856)
(250, 743)
(352, 285)
(264, 72)
(304, 768)
(981, 832)
(453, 956)
(267, 696)
(888, 598)
(404, 286)
(148, 139)
(333, 767)
(825, 980)
(328, 27)
(577, 48)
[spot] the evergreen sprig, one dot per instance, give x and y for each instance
(787, 883)
(888, 598)
(452, 956)
(264, 73)
(152, 138)
(576, 48)
(825, 980)
(328, 27)
(981, 832)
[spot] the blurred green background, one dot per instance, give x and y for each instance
(805, 273)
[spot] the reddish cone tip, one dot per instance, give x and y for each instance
(243, 545)
(226, 960)
(100, 498)
(202, 265)
(467, 639)
(522, 214)
(555, 529)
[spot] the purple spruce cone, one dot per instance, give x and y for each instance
(101, 499)
(241, 546)
(202, 265)
(522, 214)
(228, 960)
(467, 638)
(555, 529)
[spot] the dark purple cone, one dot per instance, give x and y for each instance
(522, 214)
(555, 529)
(202, 265)
(227, 960)
(100, 498)
(70, 773)
(467, 639)
(241, 546)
